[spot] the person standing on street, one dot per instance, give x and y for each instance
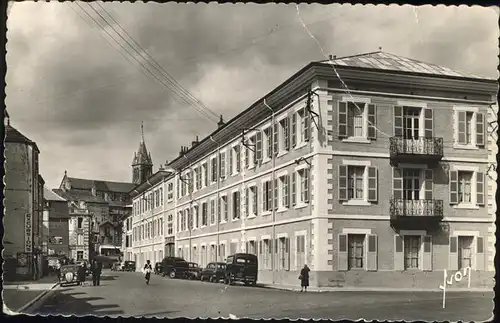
(81, 274)
(96, 272)
(147, 270)
(304, 278)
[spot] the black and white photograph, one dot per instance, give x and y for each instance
(262, 161)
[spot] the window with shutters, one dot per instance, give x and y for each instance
(170, 225)
(356, 120)
(223, 209)
(233, 247)
(356, 182)
(267, 196)
(470, 128)
(196, 216)
(284, 192)
(252, 247)
(411, 247)
(236, 205)
(300, 251)
(467, 187)
(356, 252)
(204, 175)
(170, 192)
(235, 160)
(252, 201)
(250, 152)
(222, 166)
(213, 167)
(283, 254)
(204, 214)
(222, 252)
(465, 251)
(284, 135)
(303, 192)
(266, 254)
(267, 142)
(212, 212)
(304, 123)
(197, 178)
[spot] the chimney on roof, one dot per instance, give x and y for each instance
(221, 122)
(195, 142)
(161, 168)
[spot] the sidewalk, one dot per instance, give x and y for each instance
(20, 295)
(371, 289)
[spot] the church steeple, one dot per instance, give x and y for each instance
(142, 165)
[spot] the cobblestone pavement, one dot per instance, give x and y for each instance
(126, 294)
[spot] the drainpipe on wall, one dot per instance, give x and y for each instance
(218, 197)
(273, 165)
(190, 184)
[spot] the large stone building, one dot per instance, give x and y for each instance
(380, 182)
(56, 214)
(23, 205)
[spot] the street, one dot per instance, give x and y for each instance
(126, 294)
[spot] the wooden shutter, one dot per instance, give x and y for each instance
(480, 253)
(342, 255)
(427, 254)
(275, 194)
(342, 120)
(231, 158)
(398, 121)
(307, 125)
(372, 184)
(247, 206)
(307, 184)
(453, 255)
(222, 165)
(214, 170)
(397, 184)
(287, 254)
(372, 121)
(286, 134)
(480, 129)
(256, 201)
(428, 123)
(343, 183)
(371, 258)
(399, 262)
(247, 156)
(480, 185)
(246, 247)
(269, 195)
(258, 147)
(293, 190)
(286, 198)
(462, 125)
(453, 186)
(275, 139)
(293, 130)
(429, 183)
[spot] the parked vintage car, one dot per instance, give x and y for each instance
(194, 271)
(157, 269)
(214, 272)
(129, 266)
(241, 267)
(174, 267)
(69, 275)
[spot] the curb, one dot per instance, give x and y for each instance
(381, 289)
(36, 299)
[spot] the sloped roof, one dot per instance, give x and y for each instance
(14, 135)
(386, 61)
(105, 186)
(79, 196)
(51, 196)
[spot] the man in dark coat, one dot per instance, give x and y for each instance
(304, 278)
(96, 272)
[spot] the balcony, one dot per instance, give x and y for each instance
(416, 214)
(422, 150)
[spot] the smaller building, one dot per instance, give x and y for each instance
(56, 214)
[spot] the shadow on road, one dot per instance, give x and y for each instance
(64, 302)
(108, 278)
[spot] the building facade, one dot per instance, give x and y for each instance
(56, 214)
(492, 184)
(380, 181)
(97, 209)
(23, 211)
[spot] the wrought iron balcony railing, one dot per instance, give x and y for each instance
(416, 208)
(422, 146)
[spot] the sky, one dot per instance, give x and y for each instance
(71, 90)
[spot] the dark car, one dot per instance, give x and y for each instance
(158, 270)
(194, 271)
(69, 275)
(174, 267)
(129, 266)
(241, 267)
(213, 272)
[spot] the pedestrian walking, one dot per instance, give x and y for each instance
(96, 272)
(304, 278)
(81, 274)
(147, 270)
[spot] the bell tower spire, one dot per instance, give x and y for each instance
(142, 164)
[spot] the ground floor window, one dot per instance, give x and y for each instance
(222, 252)
(233, 247)
(79, 255)
(300, 247)
(411, 252)
(465, 251)
(355, 250)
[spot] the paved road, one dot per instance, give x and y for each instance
(126, 294)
